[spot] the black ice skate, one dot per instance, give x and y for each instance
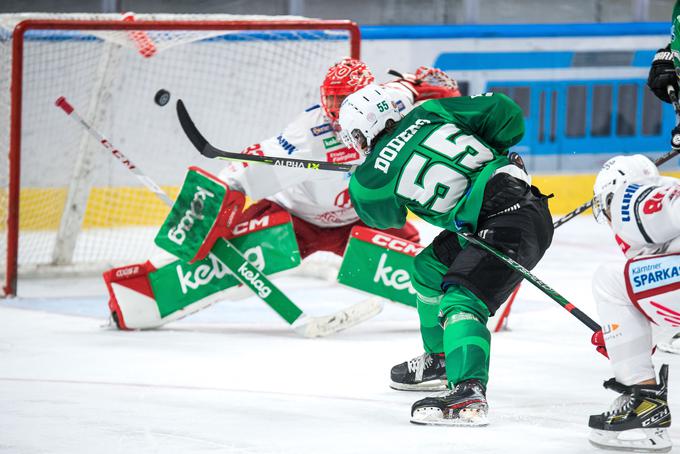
(464, 405)
(426, 372)
(638, 420)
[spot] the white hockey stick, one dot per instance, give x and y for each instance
(302, 324)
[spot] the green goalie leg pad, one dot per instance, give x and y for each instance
(467, 340)
(379, 263)
(427, 278)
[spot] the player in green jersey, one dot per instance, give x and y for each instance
(666, 66)
(447, 161)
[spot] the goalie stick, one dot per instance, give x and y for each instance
(303, 324)
(659, 161)
(206, 149)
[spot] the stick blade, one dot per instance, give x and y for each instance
(341, 320)
(192, 132)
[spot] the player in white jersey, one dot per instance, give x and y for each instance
(319, 201)
(637, 301)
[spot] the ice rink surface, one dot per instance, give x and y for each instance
(236, 379)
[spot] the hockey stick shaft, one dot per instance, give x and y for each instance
(674, 100)
(206, 149)
(659, 161)
(571, 215)
(675, 140)
(146, 181)
(542, 286)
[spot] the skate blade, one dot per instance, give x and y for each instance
(634, 440)
(433, 416)
(430, 385)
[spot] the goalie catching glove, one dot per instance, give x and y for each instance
(429, 83)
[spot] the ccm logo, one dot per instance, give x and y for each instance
(126, 272)
(396, 245)
(249, 226)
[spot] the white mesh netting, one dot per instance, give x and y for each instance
(240, 86)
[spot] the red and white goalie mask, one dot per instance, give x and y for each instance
(343, 79)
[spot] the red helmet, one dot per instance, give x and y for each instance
(343, 79)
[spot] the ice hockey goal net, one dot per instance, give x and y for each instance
(65, 204)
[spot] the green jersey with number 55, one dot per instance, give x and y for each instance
(675, 34)
(436, 162)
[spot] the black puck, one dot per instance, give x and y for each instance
(162, 97)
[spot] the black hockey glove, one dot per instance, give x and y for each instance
(662, 74)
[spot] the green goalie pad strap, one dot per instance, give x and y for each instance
(267, 242)
(256, 280)
(381, 264)
(181, 288)
(202, 213)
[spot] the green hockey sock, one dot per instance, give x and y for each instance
(431, 330)
(467, 340)
(427, 281)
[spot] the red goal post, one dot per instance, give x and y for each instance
(249, 76)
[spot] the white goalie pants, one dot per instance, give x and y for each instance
(629, 335)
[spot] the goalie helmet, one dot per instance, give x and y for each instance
(364, 115)
(616, 172)
(343, 79)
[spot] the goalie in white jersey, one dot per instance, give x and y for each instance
(316, 203)
(319, 201)
(638, 301)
